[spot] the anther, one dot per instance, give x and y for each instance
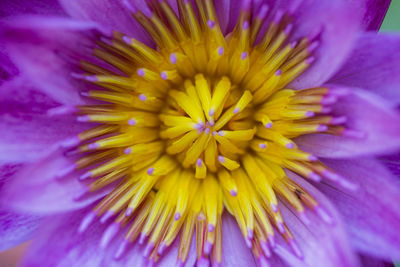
(199, 162)
(312, 158)
(85, 176)
(63, 172)
(162, 248)
(121, 249)
(70, 142)
(220, 50)
(141, 72)
(315, 177)
(148, 249)
(173, 58)
(93, 146)
(109, 234)
(87, 220)
(281, 227)
(274, 208)
(324, 215)
(142, 97)
(106, 216)
(322, 128)
(289, 145)
(312, 46)
(84, 118)
(207, 248)
(92, 78)
(295, 249)
(129, 6)
(150, 171)
(63, 110)
(338, 120)
(132, 122)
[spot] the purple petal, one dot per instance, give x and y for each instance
(16, 228)
(8, 170)
(111, 14)
(338, 23)
(27, 131)
(368, 261)
(322, 243)
(375, 11)
(39, 48)
(234, 249)
(221, 8)
(169, 258)
(58, 243)
(369, 115)
(17, 7)
(134, 254)
(392, 162)
(7, 68)
(371, 214)
(374, 65)
(36, 189)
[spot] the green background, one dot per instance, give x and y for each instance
(392, 20)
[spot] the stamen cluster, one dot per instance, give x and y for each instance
(201, 124)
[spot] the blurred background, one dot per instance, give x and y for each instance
(391, 23)
(392, 20)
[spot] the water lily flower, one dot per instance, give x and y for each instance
(180, 132)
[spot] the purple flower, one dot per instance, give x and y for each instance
(236, 133)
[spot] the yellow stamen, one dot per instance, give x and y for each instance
(200, 123)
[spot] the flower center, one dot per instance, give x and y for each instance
(202, 124)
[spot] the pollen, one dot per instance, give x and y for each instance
(201, 122)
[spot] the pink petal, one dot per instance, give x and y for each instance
(374, 65)
(371, 213)
(367, 114)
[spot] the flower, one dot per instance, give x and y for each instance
(138, 128)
